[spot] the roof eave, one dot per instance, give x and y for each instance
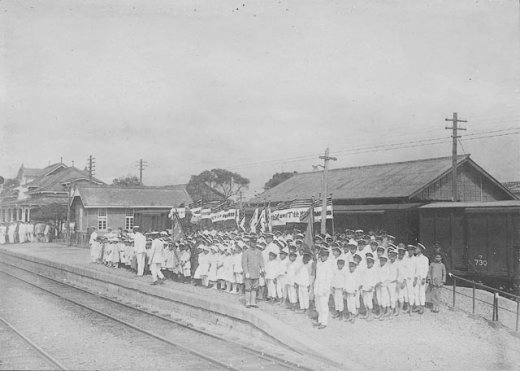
(125, 207)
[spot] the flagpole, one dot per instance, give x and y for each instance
(332, 214)
(311, 216)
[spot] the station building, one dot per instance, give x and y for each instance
(113, 207)
(412, 200)
(41, 194)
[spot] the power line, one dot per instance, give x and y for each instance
(404, 145)
(377, 148)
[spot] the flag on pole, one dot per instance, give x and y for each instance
(242, 224)
(177, 232)
(254, 221)
(237, 217)
(262, 221)
(308, 217)
(268, 217)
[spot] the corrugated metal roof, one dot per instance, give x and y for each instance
(374, 208)
(471, 204)
(138, 197)
(391, 180)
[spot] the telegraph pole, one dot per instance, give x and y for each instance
(326, 158)
(455, 128)
(91, 166)
(141, 165)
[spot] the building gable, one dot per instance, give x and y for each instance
(473, 184)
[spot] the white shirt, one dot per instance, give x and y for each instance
(351, 282)
(302, 275)
(408, 267)
(93, 237)
(368, 279)
(393, 271)
(139, 243)
(338, 277)
(422, 266)
(156, 251)
(323, 281)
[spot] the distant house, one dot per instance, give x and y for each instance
(113, 207)
(26, 175)
(41, 194)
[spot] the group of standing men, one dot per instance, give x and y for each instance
(132, 250)
(21, 232)
(364, 275)
(360, 273)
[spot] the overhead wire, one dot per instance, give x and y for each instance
(396, 146)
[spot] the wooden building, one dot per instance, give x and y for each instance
(114, 207)
(388, 196)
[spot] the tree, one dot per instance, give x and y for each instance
(126, 181)
(223, 181)
(277, 179)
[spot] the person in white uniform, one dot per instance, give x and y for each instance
(3, 232)
(322, 288)
(94, 246)
(422, 266)
(368, 281)
(140, 249)
(408, 269)
(156, 260)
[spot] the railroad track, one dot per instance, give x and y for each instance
(216, 351)
(20, 352)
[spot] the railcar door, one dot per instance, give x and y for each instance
(459, 244)
(498, 244)
(478, 259)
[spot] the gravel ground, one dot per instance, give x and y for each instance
(82, 340)
(507, 309)
(451, 339)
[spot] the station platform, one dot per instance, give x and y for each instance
(428, 341)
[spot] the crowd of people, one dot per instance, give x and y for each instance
(366, 275)
(21, 232)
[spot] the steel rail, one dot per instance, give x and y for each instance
(257, 353)
(33, 345)
(137, 328)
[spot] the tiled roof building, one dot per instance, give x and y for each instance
(39, 189)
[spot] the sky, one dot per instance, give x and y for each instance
(256, 87)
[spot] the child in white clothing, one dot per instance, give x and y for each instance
(338, 283)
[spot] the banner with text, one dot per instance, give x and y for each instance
(223, 215)
(293, 215)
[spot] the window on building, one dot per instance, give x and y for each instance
(129, 219)
(102, 219)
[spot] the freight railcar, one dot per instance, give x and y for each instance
(482, 239)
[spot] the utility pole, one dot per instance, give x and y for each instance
(326, 158)
(91, 166)
(70, 187)
(141, 166)
(455, 128)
